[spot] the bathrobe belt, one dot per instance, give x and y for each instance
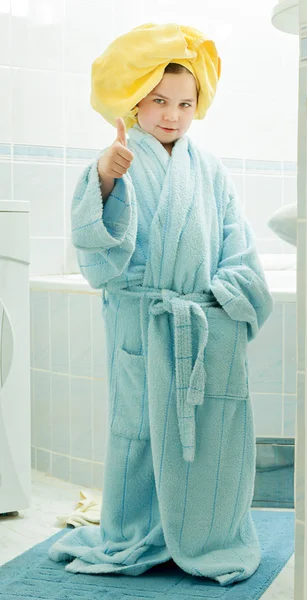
(190, 379)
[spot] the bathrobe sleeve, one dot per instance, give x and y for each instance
(104, 236)
(239, 283)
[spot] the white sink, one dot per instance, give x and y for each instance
(285, 16)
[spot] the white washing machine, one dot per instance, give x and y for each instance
(15, 438)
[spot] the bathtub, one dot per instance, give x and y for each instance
(69, 379)
(280, 272)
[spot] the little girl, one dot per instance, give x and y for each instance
(158, 227)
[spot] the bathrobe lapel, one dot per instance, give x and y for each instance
(167, 225)
(165, 341)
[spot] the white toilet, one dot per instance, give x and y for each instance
(15, 440)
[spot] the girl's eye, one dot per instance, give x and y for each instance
(184, 104)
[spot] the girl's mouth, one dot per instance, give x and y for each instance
(167, 129)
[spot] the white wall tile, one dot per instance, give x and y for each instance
(71, 263)
(261, 69)
(266, 246)
(6, 181)
(289, 190)
(43, 186)
(37, 107)
(84, 127)
(47, 256)
(248, 125)
(40, 28)
(89, 29)
(263, 196)
(5, 106)
(4, 35)
(72, 175)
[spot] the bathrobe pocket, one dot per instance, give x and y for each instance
(130, 408)
(226, 356)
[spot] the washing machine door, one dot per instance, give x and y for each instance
(14, 247)
(15, 440)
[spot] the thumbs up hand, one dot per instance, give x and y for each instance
(115, 162)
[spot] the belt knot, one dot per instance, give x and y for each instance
(165, 302)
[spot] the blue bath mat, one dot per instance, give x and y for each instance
(33, 576)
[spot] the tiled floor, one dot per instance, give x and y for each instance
(52, 497)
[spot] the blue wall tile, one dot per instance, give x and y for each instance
(42, 410)
(60, 466)
(80, 334)
(59, 332)
(81, 472)
(60, 410)
(81, 418)
(43, 461)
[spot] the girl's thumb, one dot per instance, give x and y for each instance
(121, 131)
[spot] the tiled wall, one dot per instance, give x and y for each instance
(48, 130)
(69, 385)
(69, 382)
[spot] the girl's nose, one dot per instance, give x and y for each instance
(171, 116)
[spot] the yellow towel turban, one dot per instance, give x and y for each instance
(133, 65)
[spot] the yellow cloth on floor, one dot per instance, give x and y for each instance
(87, 512)
(133, 65)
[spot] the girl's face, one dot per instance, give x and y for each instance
(167, 111)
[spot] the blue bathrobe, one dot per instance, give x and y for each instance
(183, 293)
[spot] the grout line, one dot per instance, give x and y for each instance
(47, 237)
(84, 460)
(283, 364)
(50, 367)
(69, 387)
(70, 374)
(104, 379)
